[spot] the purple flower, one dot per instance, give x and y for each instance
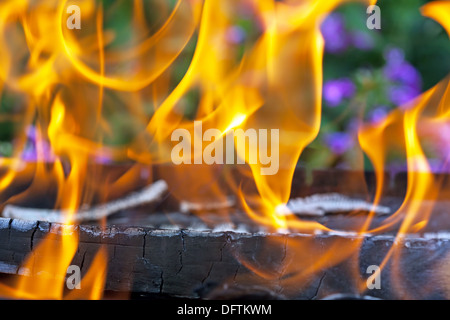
(31, 133)
(396, 167)
(30, 153)
(339, 142)
(400, 95)
(335, 91)
(103, 159)
(362, 40)
(404, 74)
(441, 134)
(406, 80)
(334, 33)
(236, 34)
(378, 114)
(35, 143)
(394, 56)
(438, 165)
(353, 126)
(435, 166)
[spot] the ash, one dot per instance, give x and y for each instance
(322, 204)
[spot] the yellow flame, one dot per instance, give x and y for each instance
(73, 79)
(401, 129)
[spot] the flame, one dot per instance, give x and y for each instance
(45, 269)
(402, 130)
(257, 90)
(66, 82)
(264, 89)
(260, 88)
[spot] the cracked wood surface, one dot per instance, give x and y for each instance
(167, 253)
(207, 264)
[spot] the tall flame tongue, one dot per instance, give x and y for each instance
(50, 84)
(45, 270)
(421, 119)
(274, 89)
(70, 82)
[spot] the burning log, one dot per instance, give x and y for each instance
(168, 253)
(262, 106)
(194, 261)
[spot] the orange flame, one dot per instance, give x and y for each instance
(67, 81)
(401, 130)
(73, 80)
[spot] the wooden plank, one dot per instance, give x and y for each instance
(159, 251)
(207, 264)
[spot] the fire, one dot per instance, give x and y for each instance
(73, 80)
(402, 130)
(66, 77)
(47, 82)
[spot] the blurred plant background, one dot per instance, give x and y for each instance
(367, 73)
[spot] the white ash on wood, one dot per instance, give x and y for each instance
(149, 194)
(321, 204)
